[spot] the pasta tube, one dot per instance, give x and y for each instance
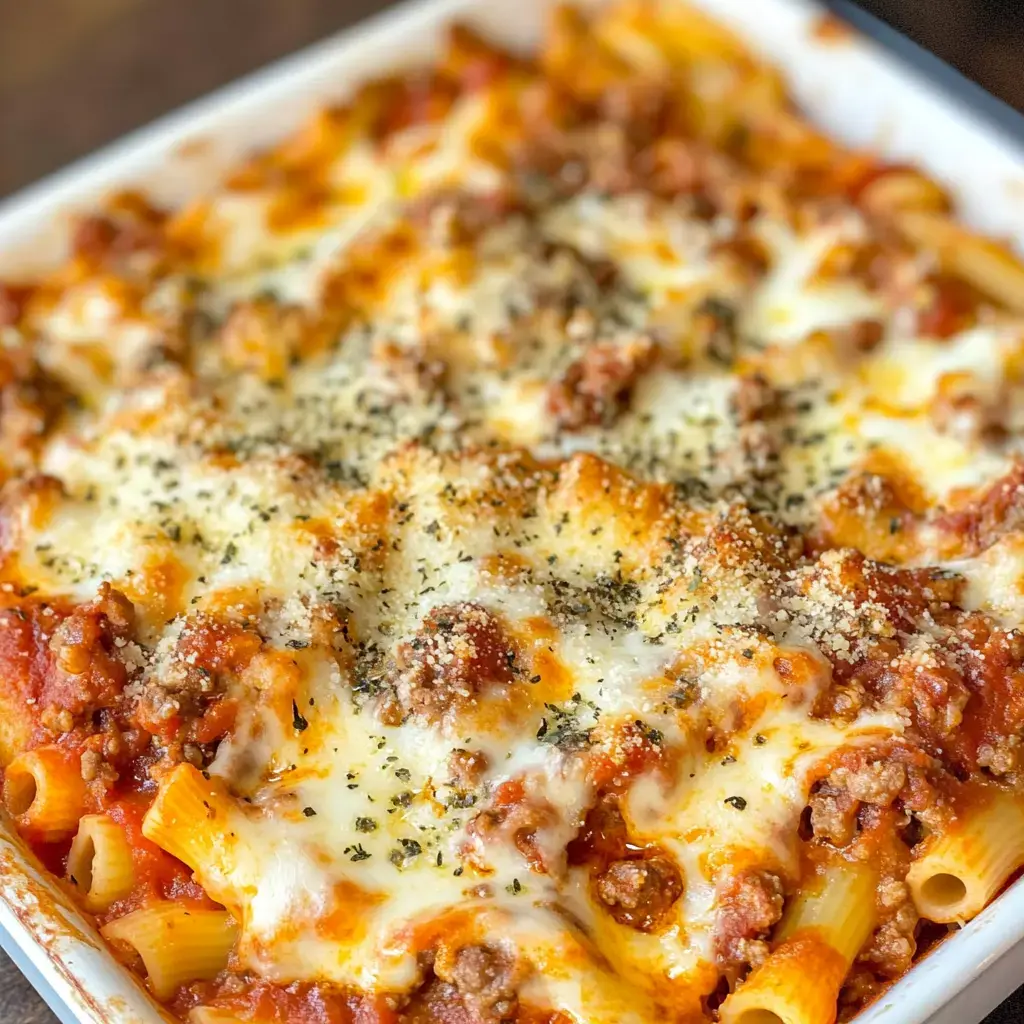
(817, 940)
(44, 792)
(194, 819)
(177, 944)
(100, 862)
(965, 867)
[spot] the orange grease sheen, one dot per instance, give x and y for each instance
(346, 923)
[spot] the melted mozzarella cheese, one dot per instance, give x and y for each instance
(373, 488)
(622, 673)
(951, 464)
(995, 580)
(135, 504)
(907, 373)
(660, 251)
(789, 306)
(357, 858)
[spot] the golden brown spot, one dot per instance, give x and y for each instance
(827, 28)
(158, 588)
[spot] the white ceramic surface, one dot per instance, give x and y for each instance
(849, 87)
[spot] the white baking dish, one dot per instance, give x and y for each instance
(852, 89)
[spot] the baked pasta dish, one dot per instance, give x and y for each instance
(542, 544)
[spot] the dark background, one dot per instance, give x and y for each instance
(77, 73)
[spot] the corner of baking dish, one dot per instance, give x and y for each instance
(59, 950)
(846, 84)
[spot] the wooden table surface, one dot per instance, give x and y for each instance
(77, 73)
(19, 1003)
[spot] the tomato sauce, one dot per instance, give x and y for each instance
(299, 1003)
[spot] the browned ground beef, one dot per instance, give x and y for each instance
(459, 651)
(597, 386)
(639, 893)
(749, 904)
